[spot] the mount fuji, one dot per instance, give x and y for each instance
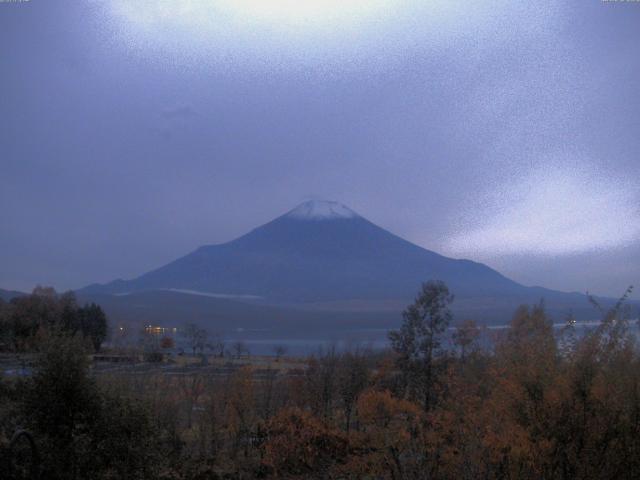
(322, 254)
(319, 251)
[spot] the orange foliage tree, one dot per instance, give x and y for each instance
(299, 444)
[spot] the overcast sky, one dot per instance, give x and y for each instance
(134, 131)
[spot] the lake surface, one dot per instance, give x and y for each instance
(265, 342)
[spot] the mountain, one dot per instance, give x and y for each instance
(174, 309)
(319, 257)
(319, 251)
(7, 295)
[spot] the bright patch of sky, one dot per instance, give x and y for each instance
(555, 210)
(273, 33)
(284, 13)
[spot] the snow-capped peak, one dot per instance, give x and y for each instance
(321, 210)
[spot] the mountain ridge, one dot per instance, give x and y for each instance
(320, 263)
(7, 295)
(317, 251)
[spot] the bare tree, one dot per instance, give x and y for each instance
(195, 336)
(465, 337)
(353, 378)
(217, 345)
(321, 381)
(279, 351)
(240, 348)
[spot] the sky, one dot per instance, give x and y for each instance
(134, 131)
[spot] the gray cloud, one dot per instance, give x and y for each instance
(441, 121)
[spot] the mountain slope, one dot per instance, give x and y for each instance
(319, 251)
(7, 295)
(174, 309)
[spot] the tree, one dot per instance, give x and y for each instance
(81, 430)
(125, 441)
(279, 351)
(321, 381)
(31, 313)
(61, 404)
(388, 443)
(465, 337)
(217, 345)
(418, 342)
(240, 348)
(192, 387)
(45, 311)
(70, 315)
(299, 444)
(195, 336)
(241, 408)
(5, 326)
(93, 323)
(600, 406)
(526, 395)
(353, 378)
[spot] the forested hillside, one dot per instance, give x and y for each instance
(533, 405)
